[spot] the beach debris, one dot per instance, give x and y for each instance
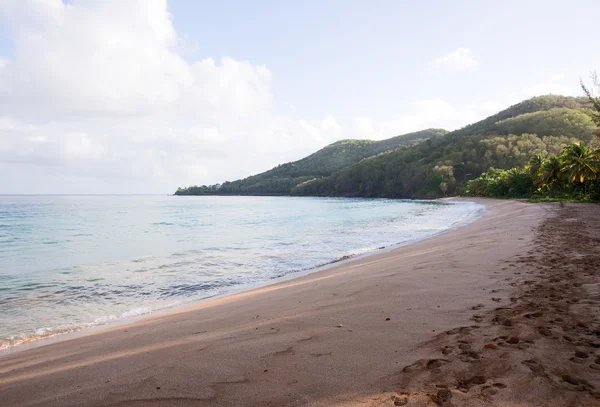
(157, 387)
(387, 319)
(490, 346)
(340, 326)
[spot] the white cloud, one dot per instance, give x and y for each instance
(329, 123)
(80, 146)
(98, 98)
(457, 60)
(91, 57)
(550, 83)
(364, 125)
(424, 114)
(98, 89)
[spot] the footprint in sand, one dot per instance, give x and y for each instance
(436, 363)
(488, 391)
(533, 365)
(469, 356)
(465, 385)
(288, 351)
(579, 384)
(446, 350)
(536, 314)
(477, 318)
(442, 396)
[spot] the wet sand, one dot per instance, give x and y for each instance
(501, 312)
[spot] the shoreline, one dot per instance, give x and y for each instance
(406, 326)
(92, 328)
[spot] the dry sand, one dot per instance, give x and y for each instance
(502, 312)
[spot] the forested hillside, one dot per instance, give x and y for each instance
(334, 157)
(542, 125)
(402, 167)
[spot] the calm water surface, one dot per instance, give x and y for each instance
(70, 262)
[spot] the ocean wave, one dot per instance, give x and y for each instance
(190, 264)
(49, 332)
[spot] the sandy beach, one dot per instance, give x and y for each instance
(501, 312)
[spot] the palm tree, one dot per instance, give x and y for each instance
(551, 171)
(579, 163)
(535, 165)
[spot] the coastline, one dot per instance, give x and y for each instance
(364, 332)
(110, 322)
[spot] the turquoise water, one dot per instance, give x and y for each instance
(70, 262)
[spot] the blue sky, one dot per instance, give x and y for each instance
(146, 95)
(371, 58)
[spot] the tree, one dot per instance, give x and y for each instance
(550, 171)
(443, 188)
(594, 112)
(579, 163)
(535, 165)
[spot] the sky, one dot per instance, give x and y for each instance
(144, 96)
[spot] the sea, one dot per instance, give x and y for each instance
(68, 263)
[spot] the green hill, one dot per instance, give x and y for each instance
(334, 157)
(425, 164)
(541, 125)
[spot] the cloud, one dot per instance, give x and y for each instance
(116, 57)
(424, 114)
(550, 83)
(98, 90)
(97, 98)
(457, 60)
(329, 123)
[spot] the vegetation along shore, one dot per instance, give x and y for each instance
(543, 147)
